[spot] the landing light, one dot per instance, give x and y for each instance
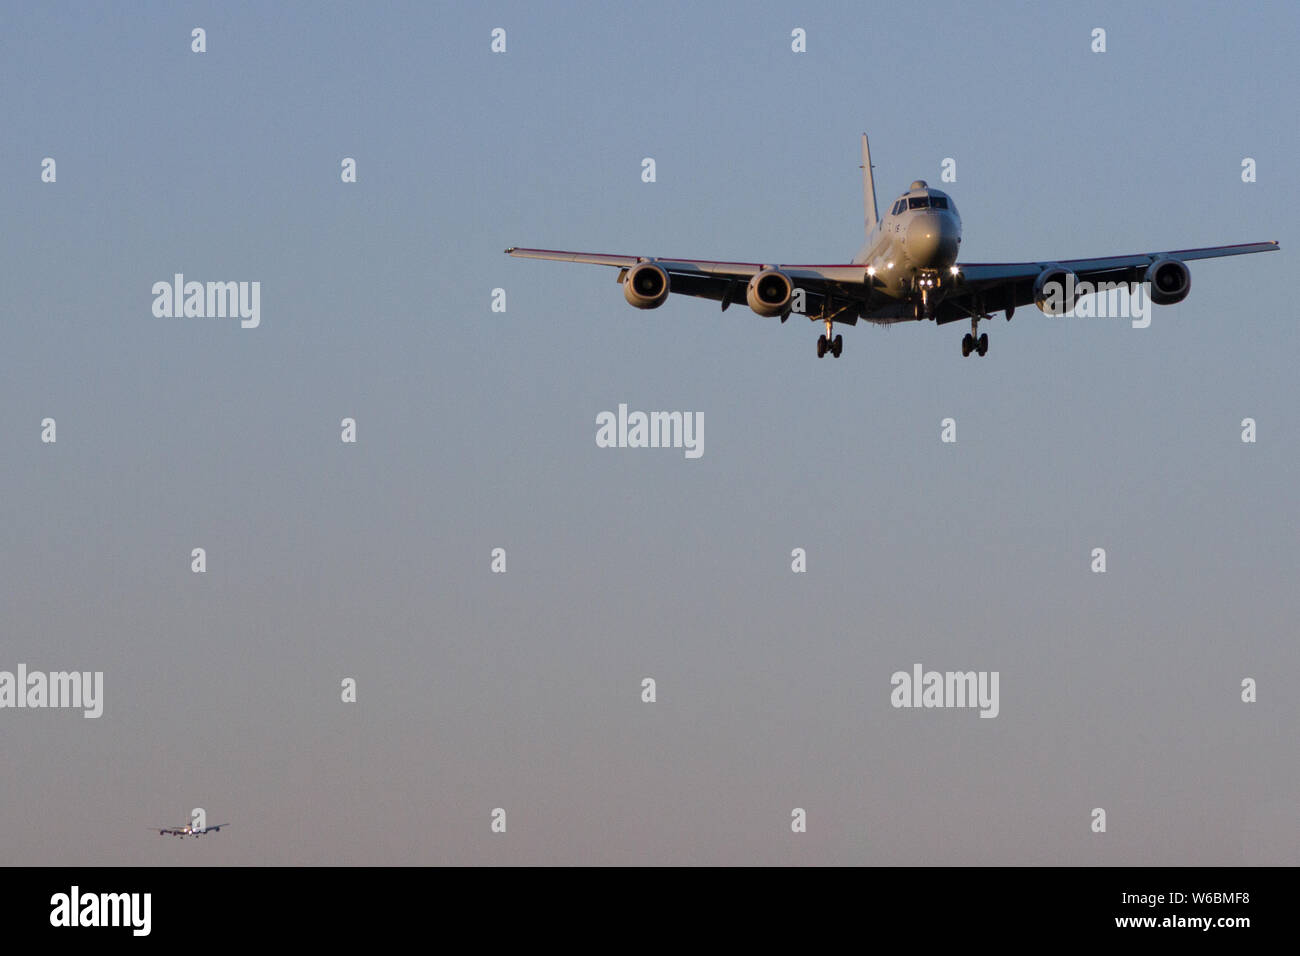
(871, 270)
(889, 265)
(953, 269)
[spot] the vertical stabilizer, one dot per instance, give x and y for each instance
(868, 188)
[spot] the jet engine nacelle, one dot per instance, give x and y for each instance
(1170, 281)
(1054, 290)
(645, 285)
(770, 292)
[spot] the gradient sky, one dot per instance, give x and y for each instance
(476, 430)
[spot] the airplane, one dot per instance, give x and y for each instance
(907, 271)
(188, 830)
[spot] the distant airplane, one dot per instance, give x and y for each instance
(907, 271)
(188, 830)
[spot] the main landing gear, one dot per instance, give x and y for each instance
(827, 344)
(972, 341)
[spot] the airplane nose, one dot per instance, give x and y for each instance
(932, 240)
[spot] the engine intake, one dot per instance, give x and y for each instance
(1054, 290)
(645, 286)
(1170, 280)
(770, 292)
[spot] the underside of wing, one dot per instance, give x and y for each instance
(816, 291)
(994, 287)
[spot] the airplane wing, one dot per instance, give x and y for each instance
(726, 282)
(166, 830)
(214, 827)
(841, 290)
(1011, 284)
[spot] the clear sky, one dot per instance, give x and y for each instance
(475, 430)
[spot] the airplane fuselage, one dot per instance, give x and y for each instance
(910, 253)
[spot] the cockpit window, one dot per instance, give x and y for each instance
(898, 207)
(917, 202)
(938, 202)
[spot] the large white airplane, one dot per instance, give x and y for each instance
(907, 271)
(193, 831)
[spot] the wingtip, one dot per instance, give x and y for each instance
(511, 249)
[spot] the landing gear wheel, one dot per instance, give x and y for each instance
(967, 343)
(983, 345)
(837, 346)
(821, 346)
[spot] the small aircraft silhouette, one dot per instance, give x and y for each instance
(190, 830)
